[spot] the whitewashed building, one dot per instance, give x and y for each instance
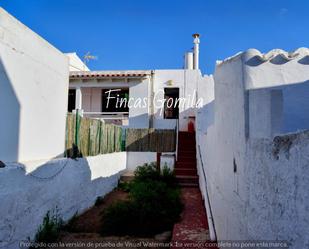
(33, 94)
(251, 132)
(34, 82)
(88, 92)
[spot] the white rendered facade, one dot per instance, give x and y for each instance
(141, 84)
(33, 94)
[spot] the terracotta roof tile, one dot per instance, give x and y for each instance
(108, 74)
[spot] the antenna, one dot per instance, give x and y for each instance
(88, 57)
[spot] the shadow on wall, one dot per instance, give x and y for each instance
(163, 137)
(10, 118)
(138, 121)
(296, 107)
(184, 117)
(67, 185)
(150, 140)
(206, 116)
(159, 122)
(287, 108)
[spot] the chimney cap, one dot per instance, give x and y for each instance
(196, 35)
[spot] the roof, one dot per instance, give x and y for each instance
(269, 56)
(108, 74)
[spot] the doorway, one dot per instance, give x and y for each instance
(71, 100)
(171, 104)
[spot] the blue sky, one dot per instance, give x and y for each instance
(154, 34)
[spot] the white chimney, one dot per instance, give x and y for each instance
(196, 42)
(189, 60)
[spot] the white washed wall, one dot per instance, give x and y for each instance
(139, 116)
(253, 195)
(186, 81)
(92, 97)
(135, 159)
(278, 196)
(224, 146)
(279, 110)
(33, 94)
(76, 64)
(28, 191)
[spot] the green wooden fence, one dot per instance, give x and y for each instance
(90, 137)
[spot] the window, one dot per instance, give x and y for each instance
(115, 100)
(171, 109)
(71, 101)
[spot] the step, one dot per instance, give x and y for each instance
(187, 153)
(190, 149)
(186, 140)
(185, 180)
(127, 176)
(186, 143)
(183, 138)
(184, 134)
(185, 165)
(188, 185)
(186, 158)
(185, 171)
(184, 150)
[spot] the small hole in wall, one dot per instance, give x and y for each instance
(234, 166)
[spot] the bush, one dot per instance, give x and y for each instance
(157, 202)
(154, 205)
(150, 171)
(124, 186)
(49, 230)
(147, 172)
(118, 218)
(168, 176)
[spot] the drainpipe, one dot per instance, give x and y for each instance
(151, 107)
(78, 100)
